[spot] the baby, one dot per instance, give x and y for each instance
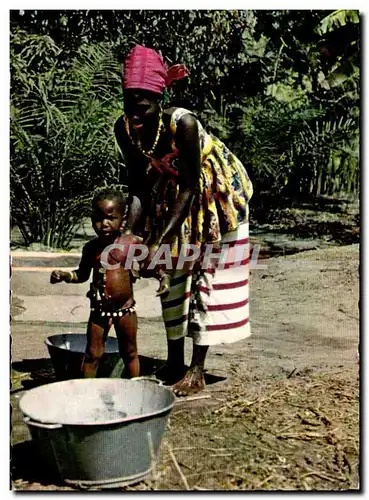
(111, 291)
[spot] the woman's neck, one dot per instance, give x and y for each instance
(148, 133)
(150, 129)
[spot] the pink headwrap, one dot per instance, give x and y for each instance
(145, 69)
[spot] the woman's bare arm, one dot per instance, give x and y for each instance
(189, 165)
(136, 176)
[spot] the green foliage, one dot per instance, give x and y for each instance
(337, 19)
(281, 88)
(61, 128)
(327, 153)
(263, 137)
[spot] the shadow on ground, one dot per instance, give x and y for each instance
(41, 371)
(336, 219)
(25, 465)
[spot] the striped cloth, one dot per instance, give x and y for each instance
(213, 307)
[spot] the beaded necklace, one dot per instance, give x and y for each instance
(138, 143)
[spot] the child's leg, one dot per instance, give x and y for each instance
(126, 328)
(96, 337)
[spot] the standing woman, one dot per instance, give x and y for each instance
(187, 188)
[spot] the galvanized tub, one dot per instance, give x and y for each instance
(98, 433)
(67, 350)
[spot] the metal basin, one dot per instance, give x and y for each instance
(98, 433)
(66, 352)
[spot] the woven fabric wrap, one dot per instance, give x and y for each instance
(214, 309)
(145, 69)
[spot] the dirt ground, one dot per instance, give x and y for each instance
(282, 407)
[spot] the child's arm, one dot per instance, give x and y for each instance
(79, 275)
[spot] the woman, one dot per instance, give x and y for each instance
(187, 188)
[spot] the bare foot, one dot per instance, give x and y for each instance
(191, 383)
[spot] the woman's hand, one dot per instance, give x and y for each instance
(152, 248)
(164, 286)
(123, 243)
(128, 238)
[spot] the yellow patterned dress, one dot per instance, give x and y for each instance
(210, 305)
(222, 197)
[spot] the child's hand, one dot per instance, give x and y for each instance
(58, 276)
(164, 286)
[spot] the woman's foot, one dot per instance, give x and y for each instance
(174, 368)
(191, 383)
(169, 375)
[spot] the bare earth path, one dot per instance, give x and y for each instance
(283, 411)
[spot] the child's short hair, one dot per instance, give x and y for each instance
(110, 193)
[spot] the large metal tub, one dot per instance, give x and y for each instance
(98, 433)
(67, 350)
